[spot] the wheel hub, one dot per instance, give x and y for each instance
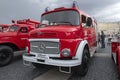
(3, 56)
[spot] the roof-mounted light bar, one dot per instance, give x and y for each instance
(25, 21)
(47, 9)
(13, 21)
(74, 5)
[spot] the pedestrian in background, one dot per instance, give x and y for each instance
(102, 39)
(99, 40)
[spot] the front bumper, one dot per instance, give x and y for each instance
(50, 61)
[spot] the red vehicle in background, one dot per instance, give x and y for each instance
(3, 27)
(14, 39)
(67, 39)
(115, 50)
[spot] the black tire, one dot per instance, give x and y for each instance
(6, 55)
(112, 57)
(117, 59)
(96, 45)
(83, 68)
(95, 51)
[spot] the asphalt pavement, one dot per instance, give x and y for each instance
(101, 67)
(17, 71)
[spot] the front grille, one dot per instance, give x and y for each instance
(44, 47)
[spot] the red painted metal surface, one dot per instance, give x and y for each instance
(15, 36)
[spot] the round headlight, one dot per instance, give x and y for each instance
(66, 52)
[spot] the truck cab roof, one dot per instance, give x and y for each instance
(63, 9)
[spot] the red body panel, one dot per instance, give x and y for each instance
(71, 44)
(115, 49)
(62, 32)
(18, 38)
(114, 46)
(118, 52)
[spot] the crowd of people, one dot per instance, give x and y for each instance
(102, 36)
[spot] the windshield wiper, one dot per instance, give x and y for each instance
(64, 22)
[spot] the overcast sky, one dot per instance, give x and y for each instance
(102, 10)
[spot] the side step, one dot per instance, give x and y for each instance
(65, 69)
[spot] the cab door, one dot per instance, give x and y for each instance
(91, 32)
(23, 36)
(88, 29)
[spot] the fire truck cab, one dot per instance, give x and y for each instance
(67, 39)
(3, 27)
(14, 39)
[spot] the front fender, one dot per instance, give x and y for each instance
(80, 49)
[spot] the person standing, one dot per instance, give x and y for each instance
(99, 39)
(102, 39)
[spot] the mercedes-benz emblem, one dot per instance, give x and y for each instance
(42, 47)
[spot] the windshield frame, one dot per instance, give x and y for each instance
(67, 22)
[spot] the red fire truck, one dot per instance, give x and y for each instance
(115, 51)
(3, 27)
(14, 39)
(67, 39)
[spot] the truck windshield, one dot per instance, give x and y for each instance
(69, 17)
(13, 29)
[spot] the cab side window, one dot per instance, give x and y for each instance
(24, 30)
(83, 21)
(89, 22)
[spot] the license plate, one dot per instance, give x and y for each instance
(41, 56)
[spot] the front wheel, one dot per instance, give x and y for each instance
(6, 55)
(83, 68)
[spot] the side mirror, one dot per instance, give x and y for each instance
(89, 21)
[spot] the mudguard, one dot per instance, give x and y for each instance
(80, 49)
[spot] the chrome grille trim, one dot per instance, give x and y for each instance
(52, 47)
(44, 46)
(42, 39)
